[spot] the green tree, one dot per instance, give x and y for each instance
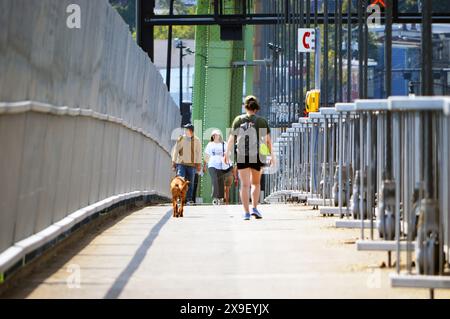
(178, 6)
(127, 10)
(182, 32)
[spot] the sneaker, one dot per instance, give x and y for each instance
(247, 216)
(216, 202)
(256, 213)
(190, 203)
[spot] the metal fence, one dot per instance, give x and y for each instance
(384, 165)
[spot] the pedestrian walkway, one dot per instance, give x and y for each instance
(213, 253)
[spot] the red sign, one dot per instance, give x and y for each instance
(380, 2)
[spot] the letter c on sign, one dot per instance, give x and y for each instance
(306, 36)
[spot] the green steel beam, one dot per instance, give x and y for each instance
(249, 57)
(218, 88)
(201, 41)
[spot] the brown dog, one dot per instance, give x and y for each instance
(179, 187)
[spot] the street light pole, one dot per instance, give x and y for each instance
(181, 74)
(180, 45)
(169, 50)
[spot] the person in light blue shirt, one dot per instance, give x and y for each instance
(214, 157)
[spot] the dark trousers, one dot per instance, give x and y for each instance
(196, 178)
(188, 172)
(217, 182)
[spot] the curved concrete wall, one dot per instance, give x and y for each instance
(84, 117)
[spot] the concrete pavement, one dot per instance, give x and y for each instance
(213, 253)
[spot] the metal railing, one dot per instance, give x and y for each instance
(385, 165)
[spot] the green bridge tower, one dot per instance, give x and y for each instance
(218, 86)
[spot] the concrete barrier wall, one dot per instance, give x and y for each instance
(97, 122)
